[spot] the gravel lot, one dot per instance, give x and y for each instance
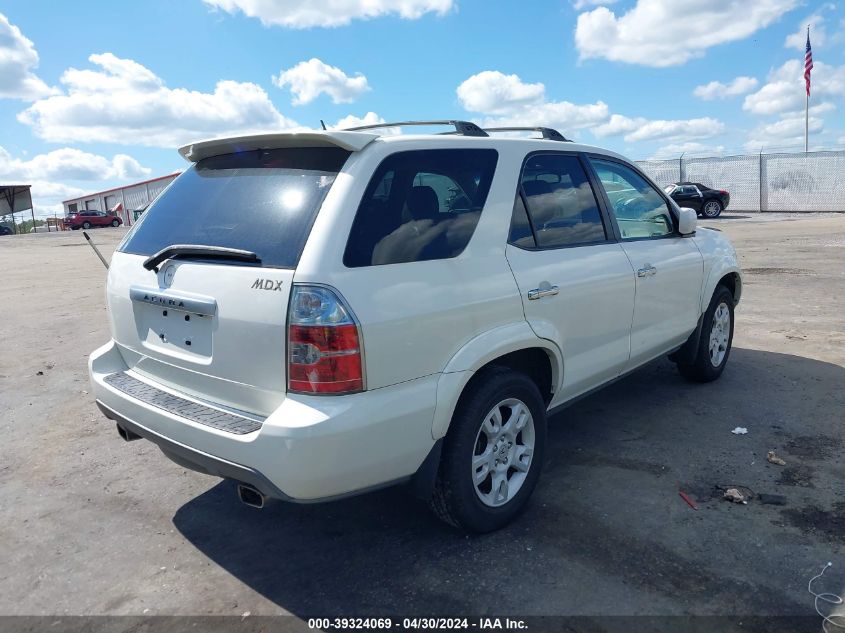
(92, 525)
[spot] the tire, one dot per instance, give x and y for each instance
(456, 498)
(115, 223)
(714, 344)
(86, 225)
(711, 209)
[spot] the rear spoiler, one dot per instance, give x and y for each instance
(350, 141)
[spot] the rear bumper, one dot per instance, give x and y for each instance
(197, 460)
(310, 449)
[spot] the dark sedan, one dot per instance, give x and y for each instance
(705, 201)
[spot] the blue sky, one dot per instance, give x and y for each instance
(95, 94)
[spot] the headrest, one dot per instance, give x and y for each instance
(423, 203)
(536, 187)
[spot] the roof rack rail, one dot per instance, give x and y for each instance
(548, 133)
(464, 128)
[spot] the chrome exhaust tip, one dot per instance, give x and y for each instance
(251, 497)
(126, 434)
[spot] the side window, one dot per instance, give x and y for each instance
(521, 233)
(639, 209)
(561, 204)
(420, 205)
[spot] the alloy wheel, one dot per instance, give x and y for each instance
(503, 451)
(719, 334)
(712, 209)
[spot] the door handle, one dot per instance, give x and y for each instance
(647, 271)
(545, 290)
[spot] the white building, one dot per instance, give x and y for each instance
(123, 201)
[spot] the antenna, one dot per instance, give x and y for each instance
(323, 124)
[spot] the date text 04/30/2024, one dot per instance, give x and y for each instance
(386, 624)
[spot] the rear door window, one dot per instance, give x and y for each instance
(561, 204)
(263, 201)
(420, 205)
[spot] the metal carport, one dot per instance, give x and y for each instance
(15, 199)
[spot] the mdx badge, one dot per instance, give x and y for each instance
(267, 284)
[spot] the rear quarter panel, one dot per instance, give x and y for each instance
(416, 316)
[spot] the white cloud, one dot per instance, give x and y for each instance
(48, 173)
(69, 164)
(371, 118)
(671, 32)
(511, 102)
(784, 90)
(783, 95)
(561, 115)
(642, 129)
(308, 80)
(296, 14)
(815, 110)
(718, 90)
(787, 132)
(123, 102)
(508, 101)
(493, 92)
(689, 148)
(578, 5)
(818, 30)
(47, 196)
(18, 59)
(789, 128)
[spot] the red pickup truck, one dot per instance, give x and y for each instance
(88, 219)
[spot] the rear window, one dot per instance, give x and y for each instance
(263, 201)
(561, 203)
(420, 205)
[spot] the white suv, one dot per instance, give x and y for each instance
(319, 314)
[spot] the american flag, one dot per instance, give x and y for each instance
(808, 63)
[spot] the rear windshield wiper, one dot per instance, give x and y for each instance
(199, 250)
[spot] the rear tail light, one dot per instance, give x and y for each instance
(324, 343)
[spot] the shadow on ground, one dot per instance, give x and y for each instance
(728, 216)
(605, 533)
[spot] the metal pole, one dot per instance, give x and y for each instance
(126, 213)
(760, 178)
(807, 126)
(91, 244)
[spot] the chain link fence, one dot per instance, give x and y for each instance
(811, 181)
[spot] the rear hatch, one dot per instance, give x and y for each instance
(209, 319)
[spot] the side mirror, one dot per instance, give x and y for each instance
(687, 220)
